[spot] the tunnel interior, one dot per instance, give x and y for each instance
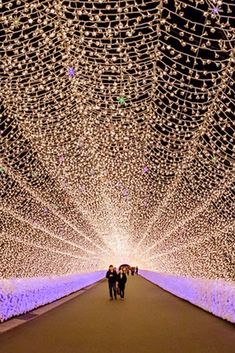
(117, 142)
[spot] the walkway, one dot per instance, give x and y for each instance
(149, 320)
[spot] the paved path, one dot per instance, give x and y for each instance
(149, 320)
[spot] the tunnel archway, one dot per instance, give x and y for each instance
(124, 265)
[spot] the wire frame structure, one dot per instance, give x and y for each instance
(117, 136)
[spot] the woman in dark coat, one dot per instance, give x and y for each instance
(121, 279)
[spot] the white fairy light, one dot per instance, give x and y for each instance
(117, 136)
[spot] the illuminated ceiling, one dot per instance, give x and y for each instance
(117, 136)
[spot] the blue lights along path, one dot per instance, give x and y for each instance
(215, 296)
(20, 295)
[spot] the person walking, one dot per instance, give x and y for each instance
(111, 275)
(121, 279)
(136, 270)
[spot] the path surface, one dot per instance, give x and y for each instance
(149, 320)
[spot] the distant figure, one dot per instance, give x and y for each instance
(128, 271)
(121, 278)
(132, 271)
(136, 270)
(111, 275)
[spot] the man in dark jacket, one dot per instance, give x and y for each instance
(111, 275)
(121, 278)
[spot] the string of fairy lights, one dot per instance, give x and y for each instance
(117, 136)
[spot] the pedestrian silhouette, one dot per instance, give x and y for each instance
(111, 275)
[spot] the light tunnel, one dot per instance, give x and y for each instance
(117, 146)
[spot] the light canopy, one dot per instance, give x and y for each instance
(117, 136)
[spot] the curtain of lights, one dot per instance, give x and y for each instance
(117, 136)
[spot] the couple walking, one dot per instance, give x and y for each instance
(116, 282)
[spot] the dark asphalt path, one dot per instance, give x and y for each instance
(149, 320)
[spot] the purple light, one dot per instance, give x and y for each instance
(215, 10)
(20, 295)
(215, 296)
(71, 72)
(145, 170)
